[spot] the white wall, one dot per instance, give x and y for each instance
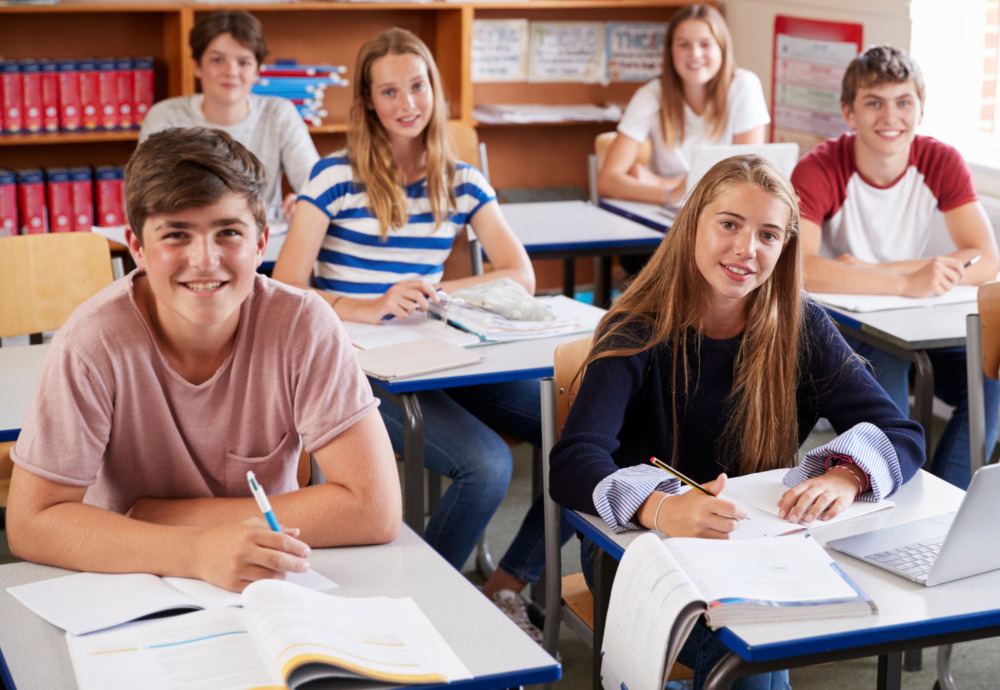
(752, 24)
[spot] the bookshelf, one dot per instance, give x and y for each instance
(521, 155)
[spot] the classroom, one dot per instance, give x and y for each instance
(469, 187)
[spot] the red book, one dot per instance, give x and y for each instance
(70, 116)
(126, 92)
(11, 118)
(90, 99)
(107, 93)
(50, 95)
(60, 196)
(109, 183)
(31, 201)
(8, 203)
(142, 73)
(31, 95)
(81, 182)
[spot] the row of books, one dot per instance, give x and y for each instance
(39, 200)
(71, 95)
(304, 85)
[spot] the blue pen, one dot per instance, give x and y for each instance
(390, 317)
(262, 502)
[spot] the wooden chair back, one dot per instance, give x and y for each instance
(465, 144)
(44, 277)
(603, 141)
(989, 324)
(566, 362)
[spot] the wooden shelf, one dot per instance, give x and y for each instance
(331, 33)
(61, 138)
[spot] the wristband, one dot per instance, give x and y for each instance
(656, 515)
(836, 460)
(843, 466)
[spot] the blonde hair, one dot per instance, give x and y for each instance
(672, 109)
(668, 300)
(368, 143)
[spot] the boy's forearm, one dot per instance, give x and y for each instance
(326, 514)
(829, 275)
(84, 537)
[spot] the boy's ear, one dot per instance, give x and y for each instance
(262, 244)
(134, 246)
(847, 110)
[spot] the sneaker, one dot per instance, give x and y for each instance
(511, 603)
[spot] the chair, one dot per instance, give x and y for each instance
(42, 280)
(569, 599)
(602, 142)
(465, 250)
(982, 347)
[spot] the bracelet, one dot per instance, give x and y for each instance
(335, 300)
(861, 486)
(656, 515)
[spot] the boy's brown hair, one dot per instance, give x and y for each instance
(241, 25)
(191, 167)
(880, 65)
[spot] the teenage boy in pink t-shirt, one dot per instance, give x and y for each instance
(161, 391)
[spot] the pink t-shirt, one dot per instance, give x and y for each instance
(111, 414)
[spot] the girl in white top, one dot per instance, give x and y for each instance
(701, 98)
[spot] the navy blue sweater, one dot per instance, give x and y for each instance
(622, 413)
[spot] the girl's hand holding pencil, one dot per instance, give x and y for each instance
(696, 513)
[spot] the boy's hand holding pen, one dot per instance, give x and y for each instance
(701, 518)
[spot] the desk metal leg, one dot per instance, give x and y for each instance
(413, 463)
(602, 282)
(569, 277)
(605, 568)
(890, 668)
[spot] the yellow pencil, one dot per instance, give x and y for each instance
(687, 480)
(690, 482)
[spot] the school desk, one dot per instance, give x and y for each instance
(569, 229)
(653, 216)
(909, 615)
(498, 654)
(910, 334)
(19, 369)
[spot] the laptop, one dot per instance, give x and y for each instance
(784, 155)
(942, 548)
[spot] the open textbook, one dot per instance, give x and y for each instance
(86, 602)
(284, 636)
(758, 493)
(663, 585)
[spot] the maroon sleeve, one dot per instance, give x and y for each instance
(945, 172)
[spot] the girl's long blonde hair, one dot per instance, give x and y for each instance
(667, 303)
(672, 110)
(368, 143)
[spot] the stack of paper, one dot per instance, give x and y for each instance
(570, 317)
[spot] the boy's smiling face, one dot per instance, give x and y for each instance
(885, 118)
(200, 265)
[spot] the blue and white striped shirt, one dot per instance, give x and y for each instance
(354, 260)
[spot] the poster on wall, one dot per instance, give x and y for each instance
(635, 50)
(567, 51)
(809, 61)
(499, 50)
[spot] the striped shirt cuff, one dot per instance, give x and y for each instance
(618, 496)
(870, 450)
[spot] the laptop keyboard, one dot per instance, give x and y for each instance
(913, 559)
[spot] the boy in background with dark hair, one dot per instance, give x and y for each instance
(161, 391)
(867, 202)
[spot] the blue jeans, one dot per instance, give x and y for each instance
(702, 650)
(951, 460)
(515, 409)
(460, 445)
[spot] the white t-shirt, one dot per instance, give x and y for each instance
(747, 110)
(272, 130)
